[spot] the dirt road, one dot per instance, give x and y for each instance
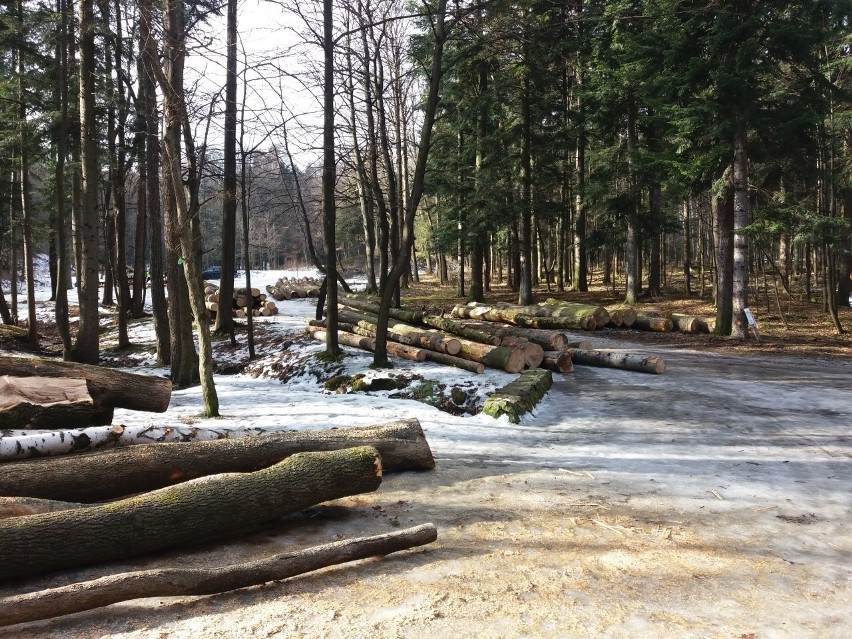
(712, 501)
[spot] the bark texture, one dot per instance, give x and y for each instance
(44, 403)
(108, 387)
(114, 473)
(175, 582)
(192, 512)
(616, 359)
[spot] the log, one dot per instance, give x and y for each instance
(548, 340)
(533, 353)
(369, 344)
(558, 361)
(192, 512)
(458, 362)
(534, 316)
(402, 332)
(13, 331)
(688, 323)
(365, 303)
(616, 318)
(187, 581)
(580, 344)
(44, 402)
(108, 474)
(617, 359)
(519, 396)
(108, 387)
(20, 506)
(461, 329)
(511, 360)
(627, 315)
(576, 309)
(649, 323)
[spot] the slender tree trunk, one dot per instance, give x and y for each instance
(687, 249)
(63, 270)
(87, 347)
(741, 220)
(634, 283)
(329, 174)
(525, 227)
(723, 222)
(225, 320)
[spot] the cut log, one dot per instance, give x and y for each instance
(403, 333)
(519, 396)
(586, 346)
(369, 344)
(511, 360)
(534, 316)
(626, 314)
(185, 581)
(688, 323)
(458, 362)
(648, 323)
(20, 506)
(548, 340)
(533, 353)
(459, 328)
(558, 361)
(15, 332)
(617, 359)
(576, 309)
(365, 303)
(192, 512)
(44, 402)
(108, 387)
(119, 472)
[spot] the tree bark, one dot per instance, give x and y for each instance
(600, 313)
(407, 334)
(548, 340)
(558, 361)
(191, 512)
(535, 316)
(21, 506)
(458, 362)
(615, 359)
(103, 475)
(369, 344)
(108, 387)
(44, 403)
(741, 220)
(166, 582)
(657, 324)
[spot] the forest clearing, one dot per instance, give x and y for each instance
(624, 505)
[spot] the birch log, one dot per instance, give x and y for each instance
(192, 512)
(114, 473)
(184, 581)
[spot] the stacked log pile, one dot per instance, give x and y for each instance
(287, 289)
(245, 301)
(193, 492)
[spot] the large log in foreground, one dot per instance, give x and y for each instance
(107, 386)
(615, 359)
(192, 512)
(118, 472)
(44, 402)
(176, 582)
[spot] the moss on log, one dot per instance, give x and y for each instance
(519, 396)
(192, 512)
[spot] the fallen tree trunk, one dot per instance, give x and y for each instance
(558, 361)
(558, 323)
(364, 303)
(616, 359)
(533, 353)
(107, 386)
(192, 512)
(519, 396)
(369, 344)
(44, 402)
(587, 346)
(134, 469)
(688, 323)
(176, 582)
(626, 315)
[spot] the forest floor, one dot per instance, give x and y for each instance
(711, 501)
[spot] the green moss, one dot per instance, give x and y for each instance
(338, 383)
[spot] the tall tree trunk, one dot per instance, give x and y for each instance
(225, 321)
(687, 249)
(634, 283)
(63, 270)
(654, 257)
(87, 347)
(723, 227)
(329, 175)
(741, 220)
(525, 227)
(580, 276)
(26, 198)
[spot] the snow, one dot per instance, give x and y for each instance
(741, 464)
